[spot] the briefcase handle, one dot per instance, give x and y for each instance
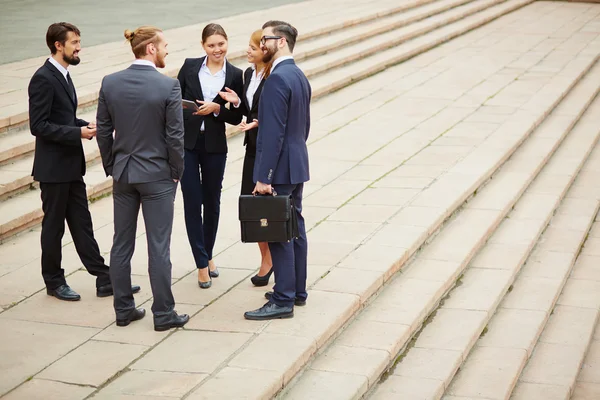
(273, 193)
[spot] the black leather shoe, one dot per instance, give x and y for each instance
(107, 290)
(258, 280)
(270, 311)
(298, 302)
(176, 321)
(64, 292)
(214, 274)
(135, 315)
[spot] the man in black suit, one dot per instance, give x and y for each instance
(59, 165)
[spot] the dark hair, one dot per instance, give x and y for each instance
(141, 38)
(285, 29)
(58, 33)
(213, 29)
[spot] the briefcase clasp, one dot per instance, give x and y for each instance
(264, 223)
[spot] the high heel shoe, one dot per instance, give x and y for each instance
(205, 285)
(258, 280)
(215, 273)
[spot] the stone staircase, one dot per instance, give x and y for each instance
(452, 228)
(333, 55)
(476, 297)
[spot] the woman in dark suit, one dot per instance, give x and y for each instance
(254, 78)
(205, 80)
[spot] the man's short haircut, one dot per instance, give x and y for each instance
(285, 29)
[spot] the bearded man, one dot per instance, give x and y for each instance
(282, 163)
(59, 165)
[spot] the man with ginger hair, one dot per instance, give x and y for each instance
(145, 158)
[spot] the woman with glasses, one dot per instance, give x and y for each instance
(205, 80)
(254, 78)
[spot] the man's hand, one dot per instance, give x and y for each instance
(246, 127)
(262, 188)
(207, 107)
(88, 132)
(230, 96)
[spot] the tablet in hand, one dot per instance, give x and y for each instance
(189, 105)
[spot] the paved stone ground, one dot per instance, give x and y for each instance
(74, 348)
(23, 23)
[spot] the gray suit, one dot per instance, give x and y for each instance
(143, 108)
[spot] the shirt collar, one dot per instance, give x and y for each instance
(144, 62)
(280, 60)
(224, 70)
(59, 67)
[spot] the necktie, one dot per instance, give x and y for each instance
(71, 86)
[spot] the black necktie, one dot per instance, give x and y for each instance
(71, 86)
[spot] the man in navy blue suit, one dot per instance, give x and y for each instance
(282, 163)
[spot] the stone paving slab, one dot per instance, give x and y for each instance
(324, 255)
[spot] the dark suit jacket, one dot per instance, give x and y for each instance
(143, 107)
(52, 120)
(251, 113)
(216, 140)
(283, 126)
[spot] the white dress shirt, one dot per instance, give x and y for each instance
(144, 62)
(253, 86)
(211, 84)
(281, 59)
(59, 67)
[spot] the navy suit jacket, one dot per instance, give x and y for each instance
(283, 126)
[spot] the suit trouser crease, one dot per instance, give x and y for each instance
(201, 186)
(157, 202)
(68, 201)
(290, 258)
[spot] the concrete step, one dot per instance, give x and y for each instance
(335, 79)
(372, 45)
(312, 20)
(15, 175)
(551, 368)
(432, 355)
(495, 363)
(588, 383)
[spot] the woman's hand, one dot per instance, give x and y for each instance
(246, 127)
(230, 96)
(207, 107)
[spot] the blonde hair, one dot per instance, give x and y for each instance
(141, 37)
(255, 39)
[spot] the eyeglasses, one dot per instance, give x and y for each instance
(264, 39)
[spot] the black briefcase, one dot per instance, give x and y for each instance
(267, 218)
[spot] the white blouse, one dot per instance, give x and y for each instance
(253, 86)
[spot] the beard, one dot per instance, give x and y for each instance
(160, 61)
(268, 54)
(72, 59)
